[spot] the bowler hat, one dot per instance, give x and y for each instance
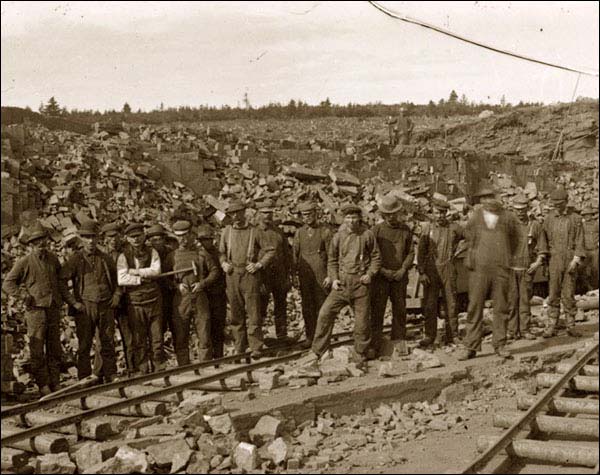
(156, 230)
(134, 229)
(37, 232)
(181, 227)
(351, 208)
(389, 204)
(88, 228)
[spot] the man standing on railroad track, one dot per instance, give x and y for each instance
(563, 239)
(310, 246)
(216, 292)
(436, 252)
(239, 248)
(137, 265)
(492, 236)
(590, 244)
(277, 274)
(38, 272)
(395, 243)
(190, 301)
(96, 295)
(353, 261)
(526, 262)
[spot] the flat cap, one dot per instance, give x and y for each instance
(589, 210)
(205, 231)
(520, 202)
(306, 207)
(37, 231)
(350, 208)
(88, 228)
(134, 229)
(181, 227)
(440, 204)
(155, 230)
(484, 191)
(235, 205)
(111, 229)
(559, 195)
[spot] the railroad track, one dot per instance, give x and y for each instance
(34, 429)
(560, 427)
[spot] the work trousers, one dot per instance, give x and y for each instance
(217, 304)
(96, 322)
(562, 290)
(313, 296)
(122, 319)
(481, 281)
(521, 291)
(167, 308)
(43, 330)
(352, 293)
(188, 308)
(383, 289)
(590, 270)
(279, 293)
(243, 293)
(145, 322)
(439, 297)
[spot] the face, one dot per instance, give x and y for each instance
(157, 242)
(560, 206)
(521, 213)
(186, 240)
(439, 215)
(239, 216)
(266, 217)
(89, 243)
(112, 242)
(352, 221)
(39, 244)
(207, 242)
(309, 217)
(137, 240)
(392, 219)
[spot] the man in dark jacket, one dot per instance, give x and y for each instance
(94, 275)
(590, 244)
(38, 272)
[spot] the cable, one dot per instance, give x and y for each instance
(462, 38)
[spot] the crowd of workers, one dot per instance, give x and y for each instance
(145, 284)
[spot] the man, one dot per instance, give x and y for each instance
(190, 300)
(216, 292)
(38, 272)
(590, 244)
(526, 262)
(310, 246)
(563, 240)
(137, 265)
(353, 261)
(403, 129)
(491, 240)
(436, 251)
(94, 277)
(239, 248)
(113, 246)
(276, 276)
(395, 244)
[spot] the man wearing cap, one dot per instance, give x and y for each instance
(395, 244)
(276, 276)
(190, 300)
(590, 244)
(562, 239)
(309, 249)
(438, 244)
(491, 240)
(239, 248)
(526, 262)
(38, 272)
(216, 292)
(352, 263)
(94, 276)
(137, 266)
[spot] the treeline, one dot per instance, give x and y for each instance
(292, 110)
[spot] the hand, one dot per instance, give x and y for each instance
(534, 267)
(197, 287)
(133, 272)
(253, 267)
(365, 279)
(337, 285)
(327, 283)
(114, 303)
(573, 265)
(386, 273)
(78, 306)
(184, 289)
(398, 275)
(227, 267)
(424, 279)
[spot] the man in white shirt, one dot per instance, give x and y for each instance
(136, 267)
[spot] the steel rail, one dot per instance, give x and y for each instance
(529, 416)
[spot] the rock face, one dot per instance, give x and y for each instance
(245, 456)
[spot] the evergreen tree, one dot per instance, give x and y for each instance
(126, 108)
(52, 109)
(453, 96)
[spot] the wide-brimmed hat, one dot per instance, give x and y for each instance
(37, 231)
(389, 204)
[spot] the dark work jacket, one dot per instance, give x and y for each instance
(74, 270)
(562, 236)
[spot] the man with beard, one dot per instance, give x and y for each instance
(395, 243)
(38, 272)
(492, 236)
(436, 251)
(310, 247)
(94, 275)
(137, 265)
(563, 240)
(525, 264)
(276, 276)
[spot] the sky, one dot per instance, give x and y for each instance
(99, 55)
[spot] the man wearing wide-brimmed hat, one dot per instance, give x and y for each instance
(94, 275)
(436, 253)
(395, 241)
(562, 239)
(310, 245)
(38, 272)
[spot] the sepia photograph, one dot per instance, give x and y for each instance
(283, 237)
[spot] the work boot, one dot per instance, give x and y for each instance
(529, 336)
(510, 336)
(549, 332)
(425, 342)
(465, 354)
(503, 352)
(45, 390)
(311, 368)
(305, 345)
(371, 354)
